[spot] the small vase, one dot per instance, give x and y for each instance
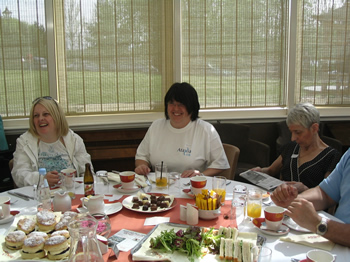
(62, 202)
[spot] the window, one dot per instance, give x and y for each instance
(104, 57)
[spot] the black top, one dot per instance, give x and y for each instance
(310, 173)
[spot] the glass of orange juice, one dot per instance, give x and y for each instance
(219, 186)
(161, 171)
(254, 203)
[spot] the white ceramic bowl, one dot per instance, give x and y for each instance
(209, 214)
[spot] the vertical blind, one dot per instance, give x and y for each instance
(234, 52)
(117, 56)
(323, 53)
(111, 55)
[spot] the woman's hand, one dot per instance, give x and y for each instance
(284, 194)
(257, 169)
(142, 169)
(52, 178)
(190, 173)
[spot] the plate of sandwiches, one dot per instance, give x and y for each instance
(43, 236)
(233, 245)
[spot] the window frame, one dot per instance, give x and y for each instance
(139, 120)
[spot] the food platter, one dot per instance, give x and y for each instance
(128, 203)
(142, 252)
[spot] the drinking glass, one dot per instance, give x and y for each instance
(174, 183)
(254, 202)
(261, 254)
(161, 171)
(238, 204)
(102, 183)
(219, 186)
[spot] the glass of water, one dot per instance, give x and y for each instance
(102, 183)
(238, 204)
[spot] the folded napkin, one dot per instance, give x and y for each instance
(139, 179)
(311, 240)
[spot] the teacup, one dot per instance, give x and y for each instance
(274, 217)
(94, 204)
(5, 204)
(197, 184)
(319, 256)
(127, 179)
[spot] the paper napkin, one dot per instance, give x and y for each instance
(311, 240)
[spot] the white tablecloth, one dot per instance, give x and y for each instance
(282, 251)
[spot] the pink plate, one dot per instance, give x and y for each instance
(189, 193)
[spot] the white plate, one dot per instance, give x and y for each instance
(289, 222)
(9, 219)
(119, 188)
(257, 222)
(110, 209)
(127, 203)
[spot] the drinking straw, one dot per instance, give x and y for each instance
(161, 171)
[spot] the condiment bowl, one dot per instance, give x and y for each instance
(209, 214)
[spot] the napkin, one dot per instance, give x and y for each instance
(191, 215)
(311, 240)
(139, 179)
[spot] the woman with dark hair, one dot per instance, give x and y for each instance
(185, 143)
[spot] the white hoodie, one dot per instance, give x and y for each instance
(25, 166)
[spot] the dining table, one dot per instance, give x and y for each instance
(134, 221)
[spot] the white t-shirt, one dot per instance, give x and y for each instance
(196, 146)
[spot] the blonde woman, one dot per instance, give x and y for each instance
(49, 143)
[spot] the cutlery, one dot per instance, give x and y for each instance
(19, 195)
(187, 184)
(149, 184)
(229, 182)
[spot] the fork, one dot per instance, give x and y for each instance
(149, 184)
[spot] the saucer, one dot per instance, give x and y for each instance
(126, 190)
(10, 218)
(110, 209)
(189, 193)
(258, 222)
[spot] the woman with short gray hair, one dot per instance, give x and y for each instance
(306, 160)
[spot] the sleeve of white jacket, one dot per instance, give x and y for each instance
(24, 172)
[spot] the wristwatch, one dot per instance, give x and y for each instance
(322, 226)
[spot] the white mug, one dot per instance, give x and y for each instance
(5, 204)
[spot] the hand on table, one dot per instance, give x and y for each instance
(52, 178)
(284, 194)
(303, 213)
(190, 173)
(142, 170)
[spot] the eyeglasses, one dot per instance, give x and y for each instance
(36, 100)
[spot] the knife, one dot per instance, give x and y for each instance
(20, 195)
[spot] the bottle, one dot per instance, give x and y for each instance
(88, 181)
(44, 196)
(36, 188)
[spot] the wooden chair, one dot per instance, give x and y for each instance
(232, 154)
